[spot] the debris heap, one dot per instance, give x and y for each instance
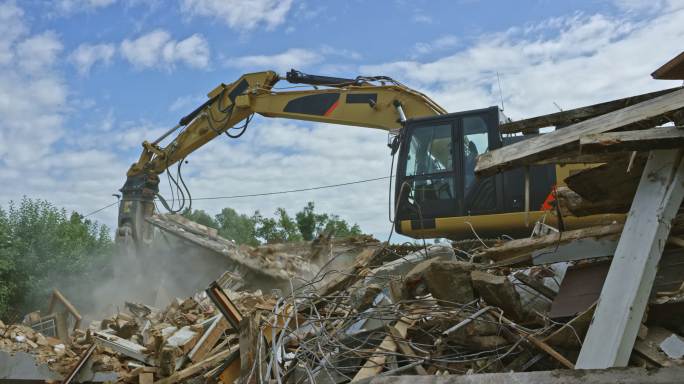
(347, 311)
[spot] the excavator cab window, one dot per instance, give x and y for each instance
(435, 175)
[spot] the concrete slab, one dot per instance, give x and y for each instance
(672, 375)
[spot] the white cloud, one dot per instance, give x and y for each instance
(35, 159)
(573, 61)
(341, 52)
(72, 6)
(439, 44)
(158, 49)
(292, 58)
(11, 28)
(640, 5)
(422, 18)
(38, 52)
(239, 14)
(87, 55)
(187, 103)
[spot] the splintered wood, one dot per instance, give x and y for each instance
(567, 139)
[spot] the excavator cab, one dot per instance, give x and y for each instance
(437, 193)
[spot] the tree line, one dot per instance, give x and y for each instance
(43, 247)
(40, 245)
(256, 229)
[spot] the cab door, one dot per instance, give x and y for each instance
(435, 174)
(426, 186)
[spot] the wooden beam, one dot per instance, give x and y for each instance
(610, 339)
(567, 140)
(406, 349)
(208, 339)
(644, 140)
(574, 157)
(572, 116)
(226, 306)
(79, 365)
(57, 296)
(196, 368)
(672, 70)
(373, 366)
(538, 343)
(146, 378)
(249, 346)
(524, 247)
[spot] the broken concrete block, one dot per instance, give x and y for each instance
(402, 266)
(362, 298)
(447, 281)
(498, 291)
(673, 346)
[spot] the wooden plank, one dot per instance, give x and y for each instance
(538, 343)
(376, 362)
(551, 352)
(226, 306)
(196, 368)
(146, 378)
(406, 349)
(231, 373)
(524, 247)
(581, 158)
(574, 115)
(567, 140)
(57, 296)
(610, 339)
(644, 140)
(249, 340)
(79, 365)
(648, 347)
(208, 339)
(672, 70)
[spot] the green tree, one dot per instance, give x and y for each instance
(41, 246)
(310, 223)
(280, 229)
(201, 217)
(237, 227)
(340, 228)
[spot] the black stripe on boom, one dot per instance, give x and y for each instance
(362, 98)
(312, 104)
(238, 90)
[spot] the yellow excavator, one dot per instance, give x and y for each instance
(436, 193)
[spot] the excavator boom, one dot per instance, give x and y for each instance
(373, 102)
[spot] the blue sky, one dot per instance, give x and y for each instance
(84, 82)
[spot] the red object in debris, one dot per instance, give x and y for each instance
(549, 202)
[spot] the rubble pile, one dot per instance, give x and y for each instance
(432, 311)
(137, 337)
(60, 356)
(337, 311)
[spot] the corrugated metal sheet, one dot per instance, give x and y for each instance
(582, 283)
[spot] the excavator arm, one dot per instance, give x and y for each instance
(373, 102)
